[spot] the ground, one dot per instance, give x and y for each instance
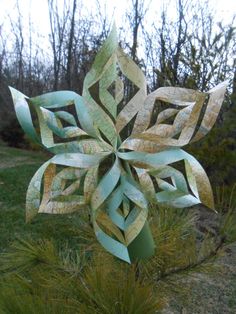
(202, 292)
(209, 293)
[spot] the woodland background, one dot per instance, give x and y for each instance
(190, 50)
(55, 264)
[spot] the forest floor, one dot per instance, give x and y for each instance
(203, 292)
(211, 292)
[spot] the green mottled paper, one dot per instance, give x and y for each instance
(94, 167)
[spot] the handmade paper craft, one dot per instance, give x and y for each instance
(113, 157)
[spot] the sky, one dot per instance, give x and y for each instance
(38, 9)
(224, 9)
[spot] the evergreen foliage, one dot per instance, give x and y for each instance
(44, 276)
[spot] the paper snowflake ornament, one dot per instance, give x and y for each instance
(117, 178)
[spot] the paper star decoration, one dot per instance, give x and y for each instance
(117, 178)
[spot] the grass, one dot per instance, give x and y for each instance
(55, 265)
(13, 185)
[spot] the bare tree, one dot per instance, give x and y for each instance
(135, 17)
(17, 30)
(70, 46)
(58, 23)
